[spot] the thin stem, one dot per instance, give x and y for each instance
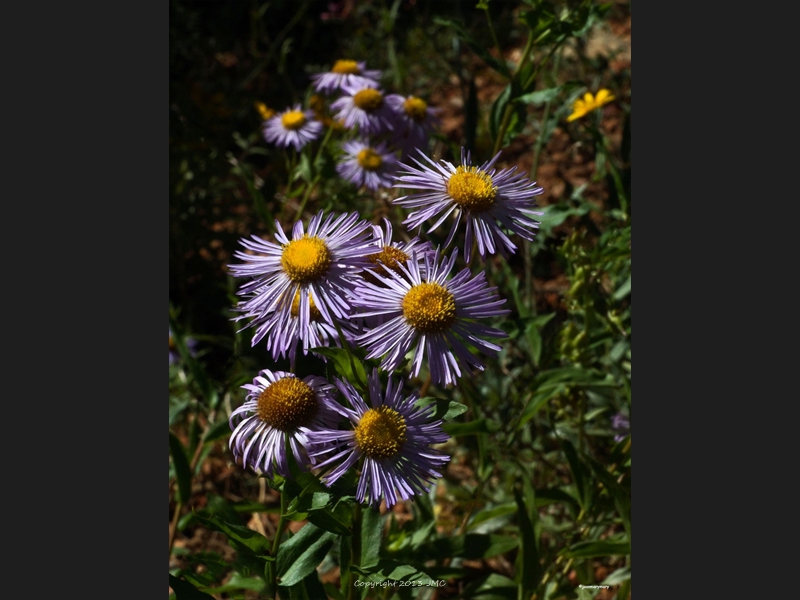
(306, 196)
(603, 145)
(540, 139)
(173, 526)
(310, 187)
(355, 560)
(491, 31)
(424, 389)
(271, 572)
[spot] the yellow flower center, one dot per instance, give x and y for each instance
(368, 99)
(287, 404)
(472, 189)
(416, 108)
(313, 311)
(381, 432)
(429, 308)
(369, 159)
(306, 259)
(294, 119)
(346, 67)
(389, 257)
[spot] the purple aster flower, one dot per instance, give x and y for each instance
(345, 73)
(390, 256)
(367, 165)
(280, 407)
(317, 266)
(283, 337)
(621, 425)
(425, 311)
(414, 122)
(490, 201)
(293, 127)
(392, 435)
(364, 107)
(393, 254)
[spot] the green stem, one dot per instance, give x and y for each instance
(603, 146)
(491, 31)
(509, 110)
(272, 575)
(537, 149)
(314, 183)
(306, 196)
(355, 560)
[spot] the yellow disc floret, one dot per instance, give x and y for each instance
(429, 308)
(381, 432)
(346, 67)
(369, 160)
(294, 119)
(287, 404)
(313, 311)
(472, 189)
(389, 257)
(368, 99)
(416, 108)
(306, 259)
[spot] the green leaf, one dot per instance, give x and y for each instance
(347, 366)
(239, 582)
(183, 472)
(391, 570)
(303, 170)
(498, 108)
(529, 568)
(371, 534)
(618, 576)
(336, 520)
(620, 495)
(308, 502)
(300, 555)
(185, 590)
(310, 588)
(597, 548)
(446, 410)
(534, 337)
(541, 21)
(541, 96)
(583, 482)
(492, 513)
(491, 587)
(470, 545)
(473, 427)
(240, 537)
(217, 431)
(552, 496)
(623, 290)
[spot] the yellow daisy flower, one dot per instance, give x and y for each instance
(588, 103)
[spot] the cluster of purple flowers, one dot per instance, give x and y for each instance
(343, 281)
(381, 128)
